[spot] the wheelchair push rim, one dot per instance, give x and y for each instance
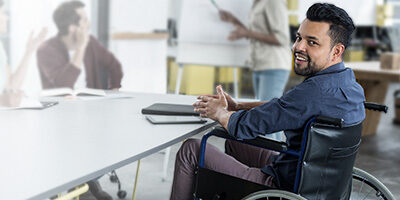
(273, 194)
(377, 190)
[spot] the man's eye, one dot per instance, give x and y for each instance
(312, 43)
(298, 38)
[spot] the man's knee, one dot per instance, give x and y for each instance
(189, 150)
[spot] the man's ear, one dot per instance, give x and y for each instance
(338, 51)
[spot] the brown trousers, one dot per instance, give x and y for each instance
(239, 160)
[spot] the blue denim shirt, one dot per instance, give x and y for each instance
(332, 92)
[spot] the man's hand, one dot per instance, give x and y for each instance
(232, 103)
(82, 36)
(239, 33)
(215, 108)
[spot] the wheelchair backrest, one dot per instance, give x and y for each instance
(328, 159)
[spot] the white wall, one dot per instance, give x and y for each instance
(143, 60)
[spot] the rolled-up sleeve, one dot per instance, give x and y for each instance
(290, 112)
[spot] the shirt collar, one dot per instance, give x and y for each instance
(334, 68)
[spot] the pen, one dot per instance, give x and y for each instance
(215, 4)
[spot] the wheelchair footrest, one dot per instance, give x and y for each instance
(214, 185)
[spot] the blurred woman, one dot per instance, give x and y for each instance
(270, 55)
(11, 81)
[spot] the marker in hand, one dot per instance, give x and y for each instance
(215, 5)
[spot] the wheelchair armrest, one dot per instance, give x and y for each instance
(259, 141)
(376, 107)
(330, 121)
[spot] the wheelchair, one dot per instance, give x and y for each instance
(324, 169)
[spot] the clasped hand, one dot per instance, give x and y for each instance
(217, 107)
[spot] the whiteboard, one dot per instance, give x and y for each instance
(138, 16)
(202, 36)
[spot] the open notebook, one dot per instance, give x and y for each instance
(69, 91)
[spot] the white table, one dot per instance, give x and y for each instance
(44, 152)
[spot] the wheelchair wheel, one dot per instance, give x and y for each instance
(366, 186)
(273, 194)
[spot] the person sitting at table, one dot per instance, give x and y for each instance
(74, 58)
(330, 89)
(12, 81)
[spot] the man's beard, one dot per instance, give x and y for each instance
(309, 70)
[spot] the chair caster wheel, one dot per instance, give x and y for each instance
(113, 178)
(121, 194)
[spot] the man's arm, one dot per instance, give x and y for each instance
(249, 105)
(55, 69)
(232, 104)
(111, 63)
(82, 36)
(290, 112)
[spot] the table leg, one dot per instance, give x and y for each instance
(375, 91)
(235, 83)
(165, 164)
(136, 180)
(74, 193)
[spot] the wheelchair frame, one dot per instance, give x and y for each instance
(283, 148)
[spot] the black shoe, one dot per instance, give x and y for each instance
(95, 189)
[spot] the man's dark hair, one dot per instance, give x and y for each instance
(341, 25)
(66, 15)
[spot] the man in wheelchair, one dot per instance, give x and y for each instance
(330, 89)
